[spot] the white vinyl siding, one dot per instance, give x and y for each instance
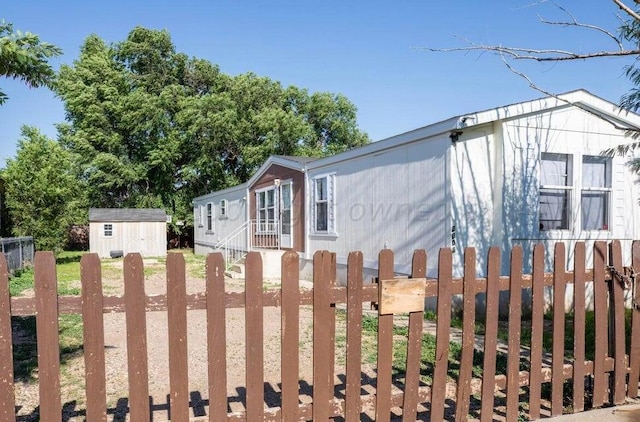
(200, 215)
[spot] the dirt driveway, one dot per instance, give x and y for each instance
(72, 373)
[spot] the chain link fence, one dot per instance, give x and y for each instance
(19, 251)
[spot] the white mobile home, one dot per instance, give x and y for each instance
(519, 174)
(119, 231)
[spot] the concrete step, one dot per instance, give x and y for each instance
(235, 271)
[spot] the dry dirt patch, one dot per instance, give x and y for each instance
(72, 373)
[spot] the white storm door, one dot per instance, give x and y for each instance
(286, 229)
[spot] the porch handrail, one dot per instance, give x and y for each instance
(247, 237)
(235, 245)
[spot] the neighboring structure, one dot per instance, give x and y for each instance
(519, 174)
(114, 231)
(4, 215)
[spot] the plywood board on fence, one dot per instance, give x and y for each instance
(399, 295)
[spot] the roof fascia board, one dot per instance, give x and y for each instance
(221, 192)
(294, 165)
(406, 138)
(580, 98)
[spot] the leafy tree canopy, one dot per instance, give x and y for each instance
(153, 127)
(43, 195)
(25, 57)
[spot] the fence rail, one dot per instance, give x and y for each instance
(18, 251)
(534, 382)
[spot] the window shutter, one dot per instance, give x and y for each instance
(314, 193)
(331, 205)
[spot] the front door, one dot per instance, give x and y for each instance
(286, 240)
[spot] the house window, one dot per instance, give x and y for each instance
(323, 204)
(266, 210)
(209, 217)
(596, 191)
(107, 230)
(556, 186)
(223, 208)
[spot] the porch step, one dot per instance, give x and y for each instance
(235, 271)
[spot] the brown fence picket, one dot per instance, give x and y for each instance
(490, 335)
(46, 294)
(177, 326)
(414, 345)
(579, 329)
(216, 336)
(468, 335)
(557, 364)
(617, 307)
(290, 325)
(93, 337)
(7, 395)
(634, 352)
(47, 306)
(354, 337)
(135, 300)
(515, 320)
(322, 391)
(254, 336)
(537, 328)
(385, 345)
(600, 316)
(439, 388)
(333, 271)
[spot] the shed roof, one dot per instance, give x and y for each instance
(127, 214)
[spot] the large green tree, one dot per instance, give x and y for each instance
(23, 56)
(153, 127)
(43, 195)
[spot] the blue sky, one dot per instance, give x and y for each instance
(368, 51)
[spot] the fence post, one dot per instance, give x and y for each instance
(634, 353)
(617, 312)
(7, 395)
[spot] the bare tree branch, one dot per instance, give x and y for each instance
(536, 87)
(629, 11)
(552, 54)
(576, 23)
(539, 55)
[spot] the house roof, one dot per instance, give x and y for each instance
(296, 158)
(127, 214)
(582, 99)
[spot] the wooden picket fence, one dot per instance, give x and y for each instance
(609, 379)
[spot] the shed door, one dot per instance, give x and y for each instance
(134, 238)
